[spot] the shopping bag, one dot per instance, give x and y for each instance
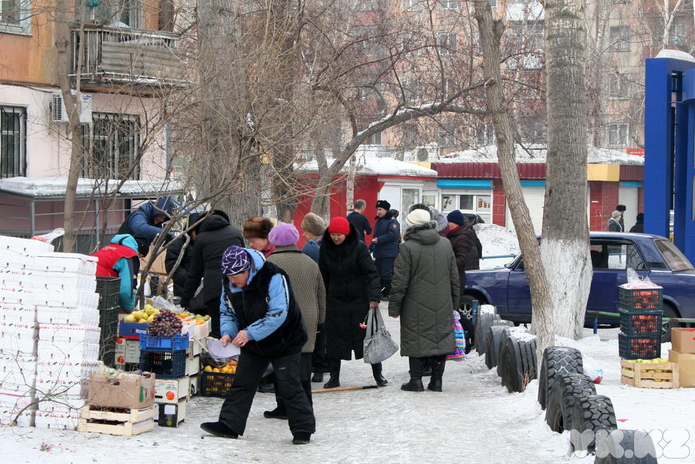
(378, 344)
(460, 353)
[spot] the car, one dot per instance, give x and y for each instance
(611, 253)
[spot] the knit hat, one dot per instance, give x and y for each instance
(313, 224)
(456, 217)
(143, 244)
(615, 214)
(257, 227)
(339, 225)
(235, 260)
(283, 234)
(383, 204)
(418, 216)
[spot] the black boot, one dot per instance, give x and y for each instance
(376, 371)
(426, 367)
(415, 383)
(317, 377)
(334, 381)
(437, 373)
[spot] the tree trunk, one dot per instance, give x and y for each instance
(565, 242)
(490, 35)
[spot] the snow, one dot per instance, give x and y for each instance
(474, 420)
(52, 186)
(376, 166)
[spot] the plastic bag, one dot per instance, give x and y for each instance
(592, 370)
(49, 237)
(634, 280)
(460, 353)
(378, 344)
(162, 303)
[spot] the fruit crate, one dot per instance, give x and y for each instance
(640, 299)
(175, 343)
(109, 290)
(166, 364)
(640, 322)
(649, 375)
(215, 384)
(108, 323)
(639, 346)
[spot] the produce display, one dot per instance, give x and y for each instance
(145, 315)
(165, 324)
(198, 318)
(229, 368)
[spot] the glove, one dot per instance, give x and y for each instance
(184, 303)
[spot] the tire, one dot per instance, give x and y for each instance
(562, 398)
(493, 345)
(516, 356)
(466, 304)
(528, 361)
(482, 323)
(591, 416)
(669, 312)
(626, 447)
(503, 339)
(557, 360)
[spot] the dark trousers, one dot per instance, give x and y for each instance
(384, 267)
(213, 310)
(235, 409)
(318, 357)
(304, 378)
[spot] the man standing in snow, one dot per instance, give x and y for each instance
(359, 221)
(259, 314)
(385, 245)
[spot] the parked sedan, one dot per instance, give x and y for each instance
(611, 254)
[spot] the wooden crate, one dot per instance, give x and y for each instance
(120, 422)
(639, 375)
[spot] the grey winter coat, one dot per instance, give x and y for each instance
(307, 285)
(425, 292)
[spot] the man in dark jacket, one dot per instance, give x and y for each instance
(181, 247)
(359, 221)
(148, 218)
(260, 315)
(385, 245)
(213, 237)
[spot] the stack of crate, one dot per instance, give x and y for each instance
(167, 358)
(641, 312)
(109, 290)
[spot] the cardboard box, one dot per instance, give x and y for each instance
(122, 390)
(686, 367)
(171, 390)
(171, 415)
(683, 339)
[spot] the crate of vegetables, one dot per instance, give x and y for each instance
(640, 322)
(640, 299)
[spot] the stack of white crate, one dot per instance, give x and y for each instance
(68, 339)
(18, 329)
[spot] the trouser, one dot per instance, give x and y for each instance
(236, 407)
(318, 357)
(384, 267)
(304, 378)
(213, 310)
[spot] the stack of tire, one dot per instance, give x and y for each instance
(511, 349)
(571, 403)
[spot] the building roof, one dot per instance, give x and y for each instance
(50, 187)
(369, 165)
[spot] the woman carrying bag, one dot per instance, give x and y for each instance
(352, 287)
(424, 295)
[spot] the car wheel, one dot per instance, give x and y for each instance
(466, 307)
(666, 325)
(593, 414)
(557, 360)
(626, 447)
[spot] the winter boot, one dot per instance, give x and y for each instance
(376, 371)
(426, 367)
(334, 380)
(437, 373)
(415, 383)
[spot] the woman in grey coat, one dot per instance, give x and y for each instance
(424, 295)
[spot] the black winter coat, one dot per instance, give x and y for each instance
(351, 283)
(461, 243)
(174, 250)
(214, 237)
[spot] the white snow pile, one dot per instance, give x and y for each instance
(496, 241)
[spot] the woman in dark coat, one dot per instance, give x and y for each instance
(424, 295)
(352, 287)
(464, 248)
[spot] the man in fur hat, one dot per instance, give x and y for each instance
(384, 245)
(314, 227)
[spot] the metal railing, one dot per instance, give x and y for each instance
(118, 56)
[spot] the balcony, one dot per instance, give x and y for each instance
(115, 57)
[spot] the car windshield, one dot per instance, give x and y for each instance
(673, 256)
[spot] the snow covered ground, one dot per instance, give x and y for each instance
(474, 420)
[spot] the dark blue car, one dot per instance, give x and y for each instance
(611, 254)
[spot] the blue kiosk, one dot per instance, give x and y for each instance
(669, 134)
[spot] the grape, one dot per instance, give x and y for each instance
(165, 324)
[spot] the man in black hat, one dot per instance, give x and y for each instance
(622, 209)
(384, 245)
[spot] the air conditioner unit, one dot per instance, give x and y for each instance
(422, 154)
(59, 112)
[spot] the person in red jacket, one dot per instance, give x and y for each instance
(121, 258)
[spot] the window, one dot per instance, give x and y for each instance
(618, 87)
(15, 16)
(619, 38)
(485, 135)
(374, 139)
(469, 203)
(13, 131)
(446, 135)
(126, 12)
(448, 4)
(532, 128)
(367, 5)
(617, 135)
(115, 147)
(446, 41)
(410, 5)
